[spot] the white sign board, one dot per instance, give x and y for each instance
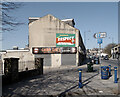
(95, 35)
(100, 35)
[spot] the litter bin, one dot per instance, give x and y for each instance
(104, 72)
(90, 67)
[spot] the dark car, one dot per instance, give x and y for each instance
(96, 60)
(106, 58)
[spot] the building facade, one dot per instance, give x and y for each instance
(115, 52)
(50, 32)
(55, 41)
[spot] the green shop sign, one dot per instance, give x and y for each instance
(65, 40)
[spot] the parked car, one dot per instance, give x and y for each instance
(96, 60)
(106, 58)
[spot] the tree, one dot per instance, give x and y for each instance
(95, 49)
(108, 48)
(9, 22)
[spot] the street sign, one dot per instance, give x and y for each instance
(99, 40)
(95, 35)
(100, 35)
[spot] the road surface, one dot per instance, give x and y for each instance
(113, 63)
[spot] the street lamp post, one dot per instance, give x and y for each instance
(85, 37)
(112, 46)
(112, 39)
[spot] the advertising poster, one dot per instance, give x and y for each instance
(65, 40)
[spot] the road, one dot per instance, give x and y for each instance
(113, 63)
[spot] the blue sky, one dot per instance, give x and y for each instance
(93, 16)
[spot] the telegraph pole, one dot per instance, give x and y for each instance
(112, 40)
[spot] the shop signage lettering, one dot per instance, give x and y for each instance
(54, 50)
(65, 40)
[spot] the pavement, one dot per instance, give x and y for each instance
(63, 82)
(113, 59)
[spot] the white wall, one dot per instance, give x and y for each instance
(56, 60)
(26, 59)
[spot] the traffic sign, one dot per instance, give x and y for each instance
(95, 35)
(100, 35)
(99, 41)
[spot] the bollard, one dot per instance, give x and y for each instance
(115, 74)
(109, 70)
(80, 78)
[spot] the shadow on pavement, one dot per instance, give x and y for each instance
(63, 94)
(90, 77)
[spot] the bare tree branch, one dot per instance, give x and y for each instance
(9, 22)
(108, 48)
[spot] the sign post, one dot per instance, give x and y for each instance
(99, 36)
(99, 41)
